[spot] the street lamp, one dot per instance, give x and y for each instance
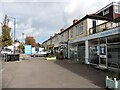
(14, 32)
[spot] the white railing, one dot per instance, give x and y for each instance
(103, 27)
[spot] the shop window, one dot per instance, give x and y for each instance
(102, 50)
(113, 55)
(94, 41)
(93, 51)
(113, 39)
(102, 40)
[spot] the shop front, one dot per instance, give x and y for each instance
(77, 51)
(62, 50)
(105, 51)
(101, 49)
(73, 52)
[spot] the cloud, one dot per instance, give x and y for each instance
(79, 8)
(1, 21)
(42, 19)
(34, 0)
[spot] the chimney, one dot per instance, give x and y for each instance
(75, 21)
(62, 29)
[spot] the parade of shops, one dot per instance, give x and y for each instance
(94, 39)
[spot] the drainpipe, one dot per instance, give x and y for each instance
(68, 46)
(86, 52)
(68, 50)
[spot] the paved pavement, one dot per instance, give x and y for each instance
(40, 73)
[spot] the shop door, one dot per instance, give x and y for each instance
(103, 55)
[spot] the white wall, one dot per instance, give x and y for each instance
(90, 23)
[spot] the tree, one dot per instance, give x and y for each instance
(30, 41)
(6, 38)
(21, 48)
(38, 44)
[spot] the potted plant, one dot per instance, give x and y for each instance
(113, 81)
(61, 55)
(51, 57)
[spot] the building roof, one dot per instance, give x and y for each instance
(51, 37)
(107, 6)
(91, 16)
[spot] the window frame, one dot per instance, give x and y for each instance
(80, 28)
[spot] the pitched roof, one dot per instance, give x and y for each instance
(91, 16)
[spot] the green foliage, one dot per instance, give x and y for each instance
(21, 46)
(6, 38)
(115, 75)
(30, 41)
(51, 55)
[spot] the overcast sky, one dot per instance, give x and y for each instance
(42, 18)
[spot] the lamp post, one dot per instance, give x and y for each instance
(23, 38)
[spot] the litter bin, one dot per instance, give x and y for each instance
(16, 57)
(12, 57)
(0, 56)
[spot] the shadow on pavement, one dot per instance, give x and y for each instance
(96, 76)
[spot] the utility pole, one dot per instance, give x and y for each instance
(14, 32)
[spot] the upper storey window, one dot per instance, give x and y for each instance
(117, 9)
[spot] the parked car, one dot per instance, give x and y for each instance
(6, 51)
(40, 53)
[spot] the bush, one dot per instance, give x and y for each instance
(51, 55)
(115, 75)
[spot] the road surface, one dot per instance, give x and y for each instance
(40, 73)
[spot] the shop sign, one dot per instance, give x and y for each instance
(111, 32)
(98, 35)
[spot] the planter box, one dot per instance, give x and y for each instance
(112, 84)
(12, 57)
(52, 58)
(119, 85)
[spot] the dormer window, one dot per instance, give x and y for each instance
(117, 9)
(105, 12)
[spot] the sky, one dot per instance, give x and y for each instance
(42, 18)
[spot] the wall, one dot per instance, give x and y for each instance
(75, 31)
(90, 23)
